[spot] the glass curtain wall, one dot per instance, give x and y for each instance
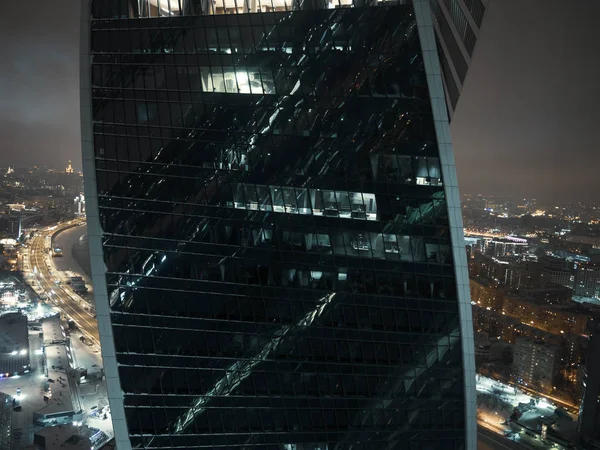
(275, 229)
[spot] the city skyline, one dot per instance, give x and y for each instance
(552, 110)
(256, 239)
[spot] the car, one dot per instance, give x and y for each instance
(18, 391)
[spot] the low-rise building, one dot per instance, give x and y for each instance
(485, 295)
(14, 345)
(68, 437)
(555, 318)
(496, 270)
(507, 246)
(552, 294)
(482, 346)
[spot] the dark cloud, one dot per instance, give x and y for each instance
(39, 82)
(527, 119)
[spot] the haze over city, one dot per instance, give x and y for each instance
(525, 126)
(266, 247)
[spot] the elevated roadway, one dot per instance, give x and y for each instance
(41, 269)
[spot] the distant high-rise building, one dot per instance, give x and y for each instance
(20, 231)
(588, 425)
(79, 205)
(274, 226)
(69, 168)
(557, 270)
(507, 246)
(457, 26)
(587, 280)
(536, 364)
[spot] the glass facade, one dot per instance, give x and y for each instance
(275, 232)
(457, 25)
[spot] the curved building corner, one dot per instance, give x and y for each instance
(274, 225)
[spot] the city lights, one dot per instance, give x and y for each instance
(274, 231)
(536, 303)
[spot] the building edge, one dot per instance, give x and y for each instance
(442, 128)
(94, 231)
(437, 96)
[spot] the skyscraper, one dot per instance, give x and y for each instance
(274, 226)
(457, 25)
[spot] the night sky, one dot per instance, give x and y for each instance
(526, 123)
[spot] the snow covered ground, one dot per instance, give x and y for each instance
(497, 401)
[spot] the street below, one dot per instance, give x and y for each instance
(42, 271)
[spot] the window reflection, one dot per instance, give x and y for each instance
(295, 200)
(404, 169)
(364, 244)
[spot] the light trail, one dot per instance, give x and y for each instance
(68, 303)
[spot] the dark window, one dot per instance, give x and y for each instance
(450, 83)
(476, 9)
(457, 16)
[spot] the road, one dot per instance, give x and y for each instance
(71, 304)
(488, 440)
(561, 402)
(71, 241)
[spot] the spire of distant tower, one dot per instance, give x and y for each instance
(69, 168)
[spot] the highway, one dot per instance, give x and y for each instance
(70, 303)
(76, 258)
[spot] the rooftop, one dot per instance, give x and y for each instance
(6, 409)
(53, 331)
(14, 344)
(60, 377)
(65, 437)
